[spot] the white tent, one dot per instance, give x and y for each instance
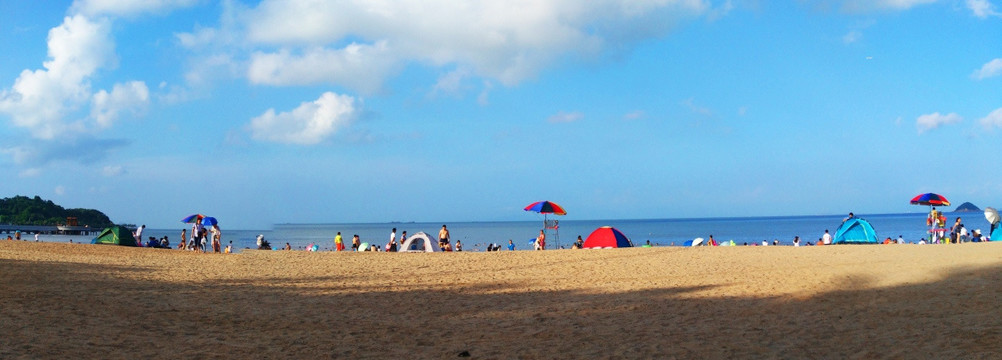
(420, 242)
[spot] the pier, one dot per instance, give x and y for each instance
(48, 229)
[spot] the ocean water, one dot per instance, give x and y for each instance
(661, 232)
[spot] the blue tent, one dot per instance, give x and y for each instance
(855, 231)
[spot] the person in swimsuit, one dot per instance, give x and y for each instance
(443, 237)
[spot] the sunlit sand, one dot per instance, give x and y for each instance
(899, 301)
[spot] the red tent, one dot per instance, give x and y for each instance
(606, 237)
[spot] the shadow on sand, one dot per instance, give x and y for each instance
(70, 310)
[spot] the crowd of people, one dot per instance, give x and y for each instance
(201, 237)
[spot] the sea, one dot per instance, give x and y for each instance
(475, 236)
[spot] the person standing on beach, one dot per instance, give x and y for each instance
(355, 243)
(511, 245)
(205, 240)
(217, 237)
(393, 238)
(338, 242)
(139, 232)
(443, 237)
(955, 232)
(196, 233)
(541, 240)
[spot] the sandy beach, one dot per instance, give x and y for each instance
(890, 301)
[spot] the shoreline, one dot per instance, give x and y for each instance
(831, 301)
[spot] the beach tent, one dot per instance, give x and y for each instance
(420, 242)
(606, 237)
(115, 235)
(855, 231)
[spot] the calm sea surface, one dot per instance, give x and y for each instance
(663, 232)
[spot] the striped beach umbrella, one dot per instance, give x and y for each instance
(930, 199)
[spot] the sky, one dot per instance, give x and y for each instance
(308, 111)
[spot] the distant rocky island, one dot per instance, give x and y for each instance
(967, 207)
(22, 210)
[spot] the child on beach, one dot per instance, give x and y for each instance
(355, 242)
(338, 242)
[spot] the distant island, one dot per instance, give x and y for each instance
(22, 210)
(967, 207)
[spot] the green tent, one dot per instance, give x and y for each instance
(115, 235)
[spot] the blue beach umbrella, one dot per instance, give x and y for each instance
(210, 221)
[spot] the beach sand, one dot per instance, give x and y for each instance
(885, 301)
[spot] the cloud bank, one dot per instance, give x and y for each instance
(359, 45)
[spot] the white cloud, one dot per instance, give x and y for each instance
(60, 190)
(720, 11)
(931, 121)
(484, 97)
(308, 124)
(359, 66)
(30, 172)
(989, 69)
(40, 99)
(565, 117)
(451, 82)
(112, 170)
(852, 36)
(361, 44)
(129, 97)
(127, 8)
(982, 8)
(881, 5)
(993, 120)
(690, 103)
(634, 115)
(84, 149)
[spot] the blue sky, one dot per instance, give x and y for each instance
(369, 111)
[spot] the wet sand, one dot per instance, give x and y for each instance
(885, 301)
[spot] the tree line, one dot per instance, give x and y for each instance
(22, 210)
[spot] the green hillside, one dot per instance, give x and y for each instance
(22, 210)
